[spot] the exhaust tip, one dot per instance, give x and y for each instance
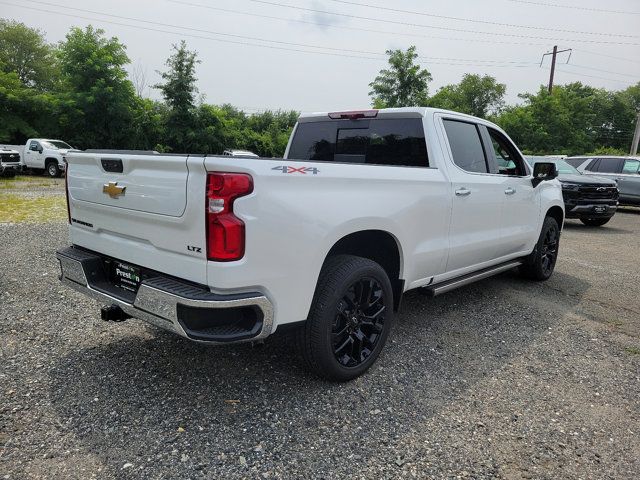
(113, 313)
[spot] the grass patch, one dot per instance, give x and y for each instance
(17, 209)
(27, 181)
(632, 350)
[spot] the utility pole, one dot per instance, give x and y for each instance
(636, 136)
(554, 55)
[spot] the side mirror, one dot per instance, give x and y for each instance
(544, 171)
(40, 150)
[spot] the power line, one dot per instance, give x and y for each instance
(637, 77)
(358, 29)
(461, 61)
(454, 62)
(616, 80)
(329, 25)
(372, 19)
(607, 56)
(573, 7)
(485, 22)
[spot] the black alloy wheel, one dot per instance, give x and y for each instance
(349, 320)
(359, 322)
(549, 252)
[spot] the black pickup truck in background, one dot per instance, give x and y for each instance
(593, 200)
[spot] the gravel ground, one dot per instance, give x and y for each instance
(502, 379)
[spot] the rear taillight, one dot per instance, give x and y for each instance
(66, 191)
(225, 231)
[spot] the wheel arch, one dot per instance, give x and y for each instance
(379, 246)
(557, 214)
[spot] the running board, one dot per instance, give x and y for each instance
(444, 287)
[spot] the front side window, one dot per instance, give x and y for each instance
(506, 155)
(57, 144)
(631, 166)
(392, 142)
(466, 146)
(33, 146)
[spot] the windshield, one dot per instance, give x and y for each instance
(564, 167)
(56, 144)
(561, 165)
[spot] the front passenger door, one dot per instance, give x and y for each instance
(520, 209)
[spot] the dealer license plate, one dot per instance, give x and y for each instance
(126, 276)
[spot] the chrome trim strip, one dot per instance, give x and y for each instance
(452, 285)
(159, 307)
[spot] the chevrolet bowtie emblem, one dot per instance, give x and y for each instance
(113, 190)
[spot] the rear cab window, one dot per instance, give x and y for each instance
(378, 141)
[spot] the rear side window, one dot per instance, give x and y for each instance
(607, 165)
(393, 142)
(466, 146)
(631, 166)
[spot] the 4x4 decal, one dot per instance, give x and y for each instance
(302, 170)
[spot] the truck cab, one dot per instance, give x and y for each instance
(46, 155)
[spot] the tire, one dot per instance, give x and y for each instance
(540, 264)
(595, 222)
(52, 169)
(343, 336)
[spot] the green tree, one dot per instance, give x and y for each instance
(98, 98)
(179, 91)
(575, 119)
(24, 50)
(24, 111)
(403, 84)
(475, 95)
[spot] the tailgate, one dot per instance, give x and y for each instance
(143, 209)
(146, 183)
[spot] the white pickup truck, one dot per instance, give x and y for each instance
(45, 155)
(364, 206)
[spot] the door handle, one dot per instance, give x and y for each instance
(463, 192)
(510, 191)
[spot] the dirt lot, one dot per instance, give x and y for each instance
(502, 379)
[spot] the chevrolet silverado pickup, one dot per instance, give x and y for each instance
(44, 155)
(364, 206)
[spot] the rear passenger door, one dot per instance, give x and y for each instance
(629, 180)
(477, 198)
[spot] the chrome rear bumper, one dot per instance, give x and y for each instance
(172, 304)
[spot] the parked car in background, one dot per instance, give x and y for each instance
(45, 155)
(239, 153)
(625, 171)
(590, 199)
(364, 206)
(9, 163)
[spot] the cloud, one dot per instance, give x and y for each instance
(323, 20)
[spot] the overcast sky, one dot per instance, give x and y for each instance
(318, 55)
